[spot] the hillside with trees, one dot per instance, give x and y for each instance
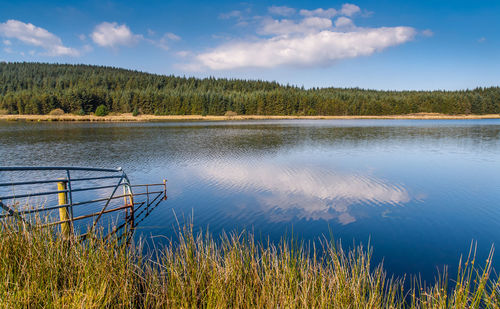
(38, 88)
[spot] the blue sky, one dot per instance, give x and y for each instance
(368, 44)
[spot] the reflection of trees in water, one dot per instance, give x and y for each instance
(130, 145)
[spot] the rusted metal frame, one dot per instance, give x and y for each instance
(144, 185)
(96, 188)
(116, 229)
(121, 181)
(10, 197)
(144, 193)
(70, 197)
(96, 178)
(58, 168)
(131, 197)
(86, 216)
(13, 213)
(147, 206)
(59, 206)
(22, 183)
(124, 176)
(23, 212)
(148, 211)
(164, 189)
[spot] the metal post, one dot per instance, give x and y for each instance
(164, 189)
(63, 211)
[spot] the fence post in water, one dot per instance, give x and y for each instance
(164, 189)
(63, 211)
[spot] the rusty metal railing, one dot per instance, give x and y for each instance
(74, 192)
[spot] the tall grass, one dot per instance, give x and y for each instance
(40, 269)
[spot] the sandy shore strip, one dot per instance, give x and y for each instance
(145, 118)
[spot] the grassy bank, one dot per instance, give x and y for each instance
(193, 271)
(143, 118)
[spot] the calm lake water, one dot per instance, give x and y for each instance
(418, 190)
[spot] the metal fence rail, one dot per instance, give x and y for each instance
(15, 193)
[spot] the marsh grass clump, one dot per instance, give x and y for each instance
(56, 112)
(40, 269)
(230, 114)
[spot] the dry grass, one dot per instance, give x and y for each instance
(195, 271)
(144, 118)
(230, 114)
(56, 112)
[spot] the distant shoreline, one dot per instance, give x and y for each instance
(146, 118)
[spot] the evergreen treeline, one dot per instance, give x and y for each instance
(37, 88)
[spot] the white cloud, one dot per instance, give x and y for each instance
(184, 53)
(172, 36)
(328, 13)
(35, 36)
(315, 49)
(285, 26)
(481, 40)
(344, 23)
(87, 48)
(308, 41)
(349, 9)
(232, 14)
(281, 10)
(82, 37)
(7, 42)
(113, 35)
(427, 33)
(163, 43)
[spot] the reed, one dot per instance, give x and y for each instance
(194, 270)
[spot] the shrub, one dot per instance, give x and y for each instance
(4, 112)
(101, 110)
(56, 112)
(135, 112)
(230, 114)
(81, 112)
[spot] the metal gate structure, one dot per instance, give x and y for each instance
(78, 199)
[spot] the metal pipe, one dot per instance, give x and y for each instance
(86, 216)
(58, 168)
(69, 193)
(22, 183)
(95, 188)
(10, 197)
(107, 203)
(66, 205)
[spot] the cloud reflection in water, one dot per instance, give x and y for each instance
(308, 193)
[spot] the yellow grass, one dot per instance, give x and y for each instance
(144, 118)
(41, 270)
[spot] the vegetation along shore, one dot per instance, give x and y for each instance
(42, 270)
(128, 117)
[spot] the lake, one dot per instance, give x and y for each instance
(419, 191)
